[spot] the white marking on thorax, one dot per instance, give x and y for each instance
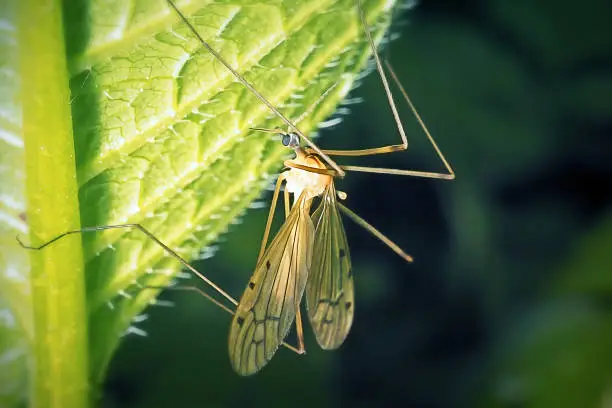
(301, 180)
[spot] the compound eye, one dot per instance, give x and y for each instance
(286, 139)
(291, 140)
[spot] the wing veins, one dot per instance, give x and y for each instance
(330, 279)
(273, 293)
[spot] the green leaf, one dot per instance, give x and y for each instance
(130, 120)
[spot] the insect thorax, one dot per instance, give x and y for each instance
(302, 180)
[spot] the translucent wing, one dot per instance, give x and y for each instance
(330, 293)
(268, 306)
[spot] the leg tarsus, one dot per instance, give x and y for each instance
(150, 235)
(213, 300)
(398, 147)
(264, 241)
(372, 230)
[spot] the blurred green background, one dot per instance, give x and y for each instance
(509, 300)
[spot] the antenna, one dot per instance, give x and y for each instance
(255, 92)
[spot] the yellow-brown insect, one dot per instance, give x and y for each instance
(310, 252)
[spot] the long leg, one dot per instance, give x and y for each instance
(190, 289)
(385, 82)
(299, 350)
(381, 170)
(404, 145)
(264, 241)
(383, 77)
(216, 302)
(375, 232)
(445, 176)
(142, 229)
(400, 172)
(254, 91)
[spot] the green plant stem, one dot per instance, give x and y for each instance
(59, 366)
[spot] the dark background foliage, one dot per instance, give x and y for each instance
(508, 301)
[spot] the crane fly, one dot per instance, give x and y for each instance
(309, 253)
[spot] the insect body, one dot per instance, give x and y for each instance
(272, 298)
(329, 289)
(309, 253)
